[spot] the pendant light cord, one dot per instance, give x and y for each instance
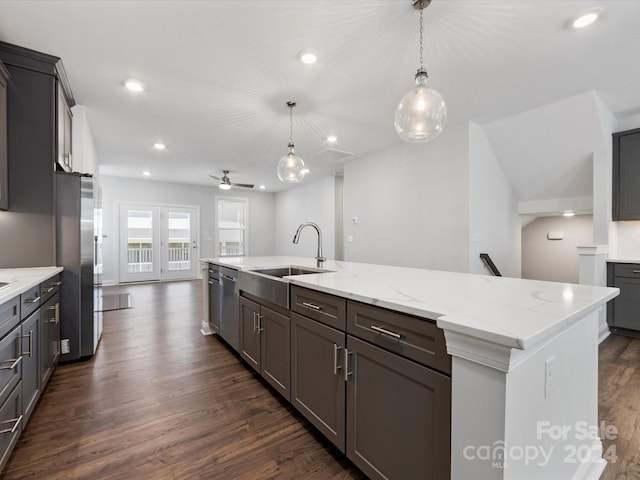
(290, 123)
(421, 35)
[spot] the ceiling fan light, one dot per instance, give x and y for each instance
(225, 186)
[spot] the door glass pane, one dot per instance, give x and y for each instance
(179, 241)
(139, 241)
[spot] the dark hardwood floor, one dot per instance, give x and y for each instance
(619, 405)
(161, 401)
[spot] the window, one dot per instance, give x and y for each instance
(232, 226)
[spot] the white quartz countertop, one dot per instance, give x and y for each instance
(623, 260)
(507, 311)
(22, 279)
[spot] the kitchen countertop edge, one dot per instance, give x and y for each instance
(22, 279)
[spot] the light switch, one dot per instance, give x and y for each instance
(350, 238)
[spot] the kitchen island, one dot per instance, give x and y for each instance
(523, 360)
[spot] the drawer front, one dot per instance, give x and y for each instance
(214, 271)
(10, 424)
(10, 363)
(414, 338)
(9, 315)
(325, 308)
(50, 287)
(629, 270)
(30, 301)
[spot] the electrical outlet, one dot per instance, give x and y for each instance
(549, 376)
(64, 345)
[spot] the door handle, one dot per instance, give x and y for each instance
(346, 365)
(336, 367)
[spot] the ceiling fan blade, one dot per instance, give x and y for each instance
(215, 178)
(243, 185)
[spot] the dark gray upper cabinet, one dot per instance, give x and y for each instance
(626, 175)
(4, 179)
(34, 79)
(64, 119)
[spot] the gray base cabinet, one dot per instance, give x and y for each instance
(624, 310)
(29, 351)
(317, 382)
(398, 415)
(265, 343)
(30, 363)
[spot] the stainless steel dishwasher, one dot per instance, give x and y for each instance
(229, 307)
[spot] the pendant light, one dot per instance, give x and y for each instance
(291, 168)
(422, 113)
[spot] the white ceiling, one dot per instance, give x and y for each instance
(220, 72)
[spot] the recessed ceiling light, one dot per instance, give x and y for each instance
(332, 139)
(262, 187)
(308, 56)
(134, 85)
(146, 173)
(587, 18)
(568, 214)
(159, 146)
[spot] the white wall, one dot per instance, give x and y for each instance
(412, 204)
(311, 202)
(555, 260)
(494, 224)
(123, 190)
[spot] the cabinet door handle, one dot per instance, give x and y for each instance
(312, 306)
(336, 367)
(55, 309)
(388, 333)
(30, 335)
(346, 365)
(260, 328)
(33, 300)
(254, 322)
(15, 425)
(15, 361)
(227, 277)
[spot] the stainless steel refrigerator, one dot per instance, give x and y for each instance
(79, 251)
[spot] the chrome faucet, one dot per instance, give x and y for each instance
(296, 238)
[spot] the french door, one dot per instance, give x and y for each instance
(158, 242)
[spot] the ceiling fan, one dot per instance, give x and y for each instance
(225, 183)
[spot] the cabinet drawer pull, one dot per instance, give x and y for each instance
(336, 367)
(56, 284)
(15, 426)
(15, 361)
(312, 306)
(346, 365)
(210, 282)
(388, 333)
(33, 300)
(636, 271)
(210, 271)
(30, 335)
(49, 289)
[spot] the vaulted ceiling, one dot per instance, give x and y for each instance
(218, 73)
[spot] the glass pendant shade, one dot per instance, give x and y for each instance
(291, 168)
(421, 114)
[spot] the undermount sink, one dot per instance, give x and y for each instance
(268, 284)
(288, 271)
